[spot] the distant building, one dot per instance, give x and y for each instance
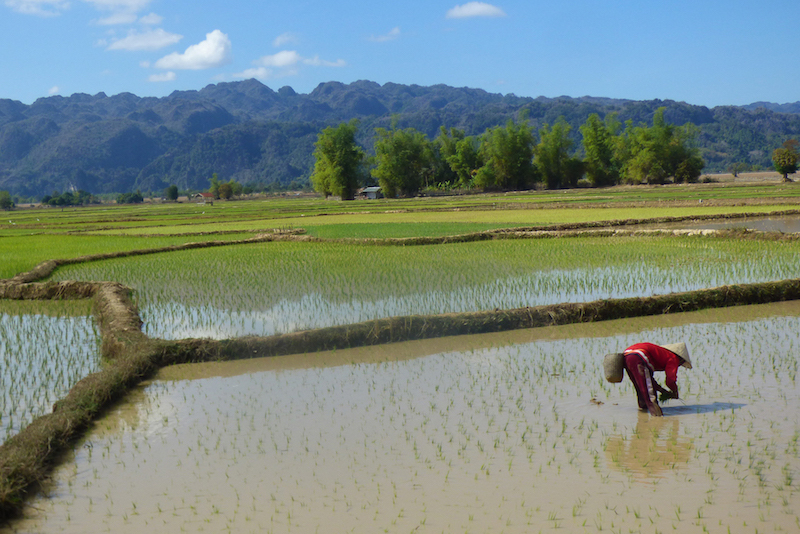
(371, 193)
(204, 197)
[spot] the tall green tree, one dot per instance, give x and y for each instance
(6, 203)
(737, 167)
(785, 158)
(404, 161)
(171, 192)
(129, 198)
(225, 191)
(215, 183)
(507, 153)
(462, 155)
(601, 167)
(337, 160)
(641, 151)
(467, 160)
(443, 148)
(652, 154)
(553, 160)
(683, 155)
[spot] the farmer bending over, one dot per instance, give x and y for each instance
(642, 359)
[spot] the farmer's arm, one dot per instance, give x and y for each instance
(660, 389)
(671, 371)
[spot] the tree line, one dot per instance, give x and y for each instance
(510, 157)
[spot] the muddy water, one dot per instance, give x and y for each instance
(500, 433)
(789, 224)
(786, 225)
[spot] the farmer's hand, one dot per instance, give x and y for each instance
(666, 395)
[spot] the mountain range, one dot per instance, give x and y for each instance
(253, 134)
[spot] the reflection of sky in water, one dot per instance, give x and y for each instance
(171, 320)
(480, 440)
(787, 224)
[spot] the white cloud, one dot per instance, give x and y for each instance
(260, 73)
(149, 40)
(317, 62)
(163, 77)
(475, 9)
(284, 38)
(42, 8)
(119, 5)
(151, 20)
(115, 19)
(214, 51)
(284, 58)
(53, 90)
(391, 36)
(289, 58)
(122, 11)
(284, 63)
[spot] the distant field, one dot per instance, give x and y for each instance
(548, 207)
(22, 253)
(30, 236)
(746, 177)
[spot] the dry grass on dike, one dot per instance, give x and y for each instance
(27, 458)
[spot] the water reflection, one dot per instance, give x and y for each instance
(171, 319)
(491, 433)
(789, 224)
(655, 447)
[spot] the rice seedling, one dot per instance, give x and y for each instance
(283, 287)
(45, 348)
(22, 253)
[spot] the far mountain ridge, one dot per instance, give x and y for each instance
(249, 132)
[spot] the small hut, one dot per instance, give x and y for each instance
(203, 198)
(371, 192)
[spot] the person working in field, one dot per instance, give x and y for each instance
(642, 359)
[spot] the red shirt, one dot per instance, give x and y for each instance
(662, 360)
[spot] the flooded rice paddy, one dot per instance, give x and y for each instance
(284, 287)
(45, 348)
(512, 432)
(787, 224)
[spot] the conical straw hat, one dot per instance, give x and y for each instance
(681, 350)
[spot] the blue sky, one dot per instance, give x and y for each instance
(704, 52)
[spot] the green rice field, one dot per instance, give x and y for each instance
(268, 288)
(45, 348)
